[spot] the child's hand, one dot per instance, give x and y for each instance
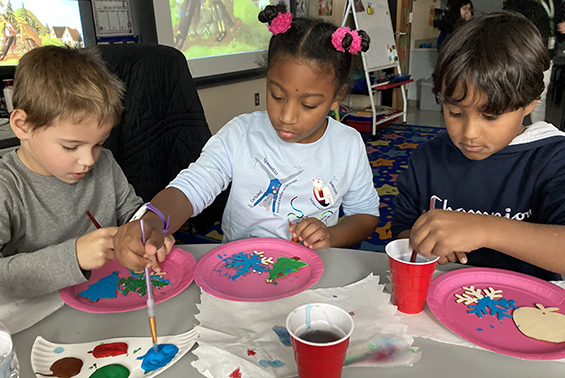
(453, 257)
(162, 253)
(448, 234)
(96, 248)
(129, 249)
(312, 232)
(168, 244)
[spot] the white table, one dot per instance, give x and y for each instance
(341, 267)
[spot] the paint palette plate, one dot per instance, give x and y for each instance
(500, 336)
(214, 276)
(179, 273)
(54, 360)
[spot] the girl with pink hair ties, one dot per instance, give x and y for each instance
(292, 168)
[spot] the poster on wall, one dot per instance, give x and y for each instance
(325, 7)
(28, 24)
(301, 8)
(112, 18)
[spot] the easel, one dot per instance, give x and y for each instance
(371, 64)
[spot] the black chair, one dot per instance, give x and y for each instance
(163, 127)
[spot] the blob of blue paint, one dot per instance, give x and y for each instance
(283, 335)
(275, 363)
(308, 310)
(58, 350)
(155, 360)
(479, 329)
(104, 288)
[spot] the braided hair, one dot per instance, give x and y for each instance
(310, 39)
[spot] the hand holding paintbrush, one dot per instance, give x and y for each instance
(95, 249)
(150, 300)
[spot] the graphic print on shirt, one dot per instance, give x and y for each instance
(438, 203)
(269, 198)
(295, 215)
(322, 193)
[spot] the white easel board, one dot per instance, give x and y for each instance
(378, 25)
(373, 16)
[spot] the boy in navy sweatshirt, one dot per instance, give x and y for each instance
(489, 192)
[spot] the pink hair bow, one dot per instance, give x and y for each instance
(281, 23)
(340, 33)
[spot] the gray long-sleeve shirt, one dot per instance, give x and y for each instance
(42, 217)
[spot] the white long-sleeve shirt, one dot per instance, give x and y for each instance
(276, 182)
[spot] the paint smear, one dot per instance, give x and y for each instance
(283, 267)
(283, 335)
(65, 368)
(155, 360)
(104, 288)
(58, 350)
(251, 352)
(235, 374)
(111, 371)
(109, 350)
(275, 363)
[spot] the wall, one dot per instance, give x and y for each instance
(422, 61)
(485, 6)
(337, 11)
(222, 103)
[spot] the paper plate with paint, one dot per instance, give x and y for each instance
(478, 304)
(124, 357)
(258, 270)
(114, 288)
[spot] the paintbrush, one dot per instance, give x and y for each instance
(413, 256)
(432, 206)
(96, 224)
(150, 301)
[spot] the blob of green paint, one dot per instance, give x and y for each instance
(111, 371)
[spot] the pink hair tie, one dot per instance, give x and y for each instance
(281, 23)
(340, 33)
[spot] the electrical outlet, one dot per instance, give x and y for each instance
(257, 99)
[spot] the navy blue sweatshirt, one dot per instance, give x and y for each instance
(524, 181)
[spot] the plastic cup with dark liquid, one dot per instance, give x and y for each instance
(320, 336)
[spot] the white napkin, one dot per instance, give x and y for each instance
(427, 326)
(22, 314)
(241, 335)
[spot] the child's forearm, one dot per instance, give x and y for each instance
(353, 230)
(173, 202)
(538, 244)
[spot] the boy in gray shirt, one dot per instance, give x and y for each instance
(66, 103)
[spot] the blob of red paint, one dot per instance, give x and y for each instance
(235, 374)
(251, 352)
(109, 350)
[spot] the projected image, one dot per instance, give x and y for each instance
(204, 28)
(32, 23)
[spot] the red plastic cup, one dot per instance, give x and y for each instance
(410, 280)
(319, 359)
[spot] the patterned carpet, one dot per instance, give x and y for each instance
(388, 154)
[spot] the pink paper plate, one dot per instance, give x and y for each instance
(500, 336)
(179, 269)
(215, 278)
